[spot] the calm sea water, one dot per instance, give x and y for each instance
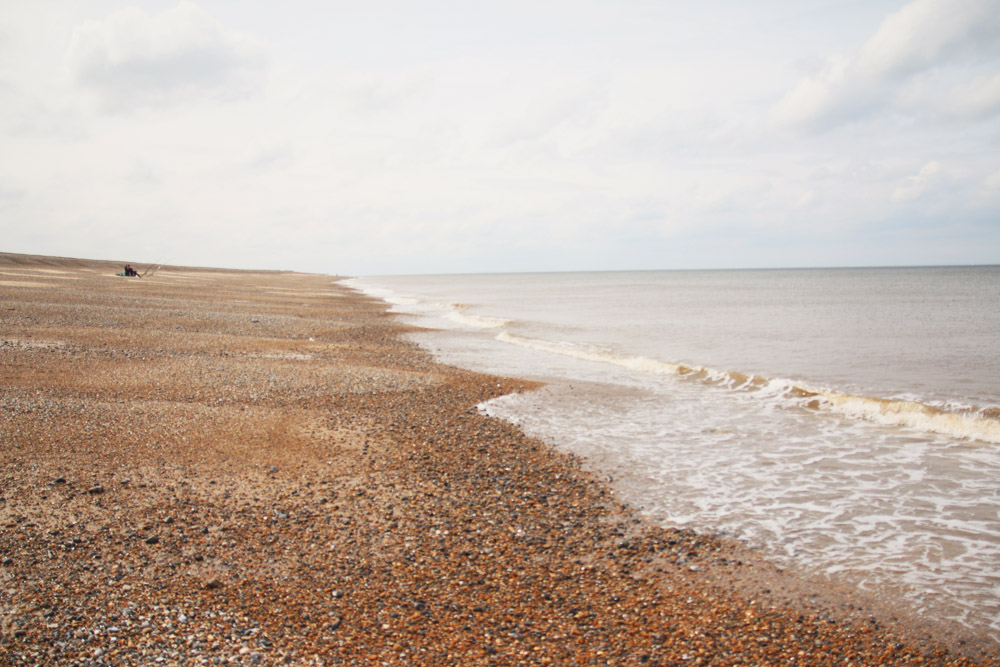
(846, 419)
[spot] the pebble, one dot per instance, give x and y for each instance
(459, 539)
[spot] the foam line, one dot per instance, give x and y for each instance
(969, 423)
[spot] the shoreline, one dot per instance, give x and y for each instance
(255, 467)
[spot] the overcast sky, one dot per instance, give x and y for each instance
(385, 137)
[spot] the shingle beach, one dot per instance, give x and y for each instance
(234, 467)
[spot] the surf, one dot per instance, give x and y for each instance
(970, 423)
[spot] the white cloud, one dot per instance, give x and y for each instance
(923, 37)
(916, 185)
(816, 97)
(132, 59)
(979, 98)
(925, 34)
(806, 199)
(394, 138)
(271, 157)
(368, 94)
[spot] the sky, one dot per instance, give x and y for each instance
(391, 137)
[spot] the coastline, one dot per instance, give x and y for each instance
(257, 467)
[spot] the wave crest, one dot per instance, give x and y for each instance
(966, 423)
(458, 314)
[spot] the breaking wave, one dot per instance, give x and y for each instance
(453, 312)
(457, 314)
(961, 422)
(387, 295)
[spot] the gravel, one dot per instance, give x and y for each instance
(254, 468)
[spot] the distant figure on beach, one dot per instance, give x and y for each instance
(129, 271)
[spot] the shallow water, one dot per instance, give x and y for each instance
(845, 419)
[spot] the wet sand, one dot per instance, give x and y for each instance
(235, 467)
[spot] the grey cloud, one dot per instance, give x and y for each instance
(372, 95)
(540, 120)
(924, 37)
(131, 59)
(142, 173)
(271, 157)
(926, 33)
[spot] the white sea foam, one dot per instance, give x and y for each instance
(387, 295)
(457, 313)
(592, 353)
(906, 413)
(852, 443)
(915, 415)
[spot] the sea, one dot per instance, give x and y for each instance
(845, 421)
